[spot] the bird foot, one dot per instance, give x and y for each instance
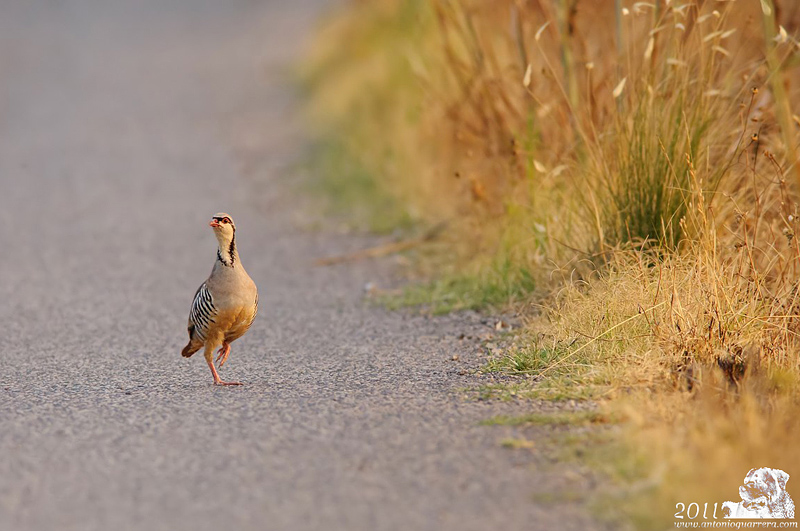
(215, 374)
(220, 382)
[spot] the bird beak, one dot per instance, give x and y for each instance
(214, 223)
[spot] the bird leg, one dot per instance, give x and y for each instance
(222, 354)
(209, 353)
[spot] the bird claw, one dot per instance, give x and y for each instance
(222, 356)
(227, 383)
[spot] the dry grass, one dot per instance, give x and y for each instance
(627, 173)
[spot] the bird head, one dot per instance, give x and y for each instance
(222, 223)
(223, 226)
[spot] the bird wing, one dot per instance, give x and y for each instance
(202, 313)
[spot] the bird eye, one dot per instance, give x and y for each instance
(226, 220)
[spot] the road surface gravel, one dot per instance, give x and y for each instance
(123, 127)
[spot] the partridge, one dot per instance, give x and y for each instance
(225, 305)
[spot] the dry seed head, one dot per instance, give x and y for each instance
(650, 46)
(782, 36)
(555, 172)
(540, 30)
(617, 92)
(754, 90)
(681, 10)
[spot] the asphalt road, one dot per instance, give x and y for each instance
(123, 127)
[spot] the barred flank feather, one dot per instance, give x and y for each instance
(200, 317)
(202, 312)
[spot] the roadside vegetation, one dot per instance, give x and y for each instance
(622, 174)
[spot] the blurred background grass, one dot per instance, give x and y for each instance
(622, 174)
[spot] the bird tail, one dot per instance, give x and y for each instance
(190, 349)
